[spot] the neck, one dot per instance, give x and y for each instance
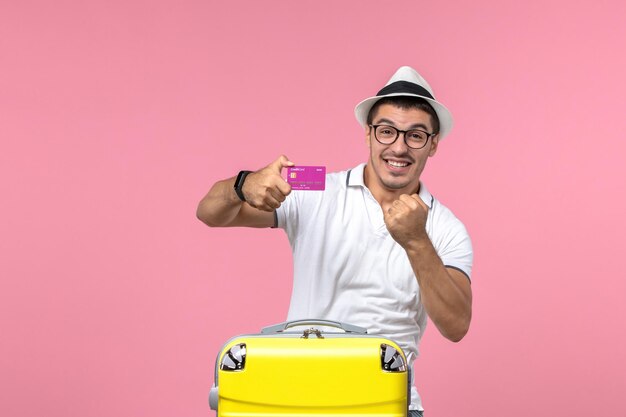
(384, 195)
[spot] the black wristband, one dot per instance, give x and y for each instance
(241, 177)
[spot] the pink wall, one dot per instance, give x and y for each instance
(117, 116)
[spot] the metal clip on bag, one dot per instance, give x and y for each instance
(311, 372)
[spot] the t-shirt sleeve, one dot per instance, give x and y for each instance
(452, 242)
(287, 214)
(300, 211)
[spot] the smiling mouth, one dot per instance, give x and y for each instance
(396, 164)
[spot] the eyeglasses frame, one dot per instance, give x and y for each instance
(404, 132)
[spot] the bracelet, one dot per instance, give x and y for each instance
(241, 177)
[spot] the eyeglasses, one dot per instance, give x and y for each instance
(414, 138)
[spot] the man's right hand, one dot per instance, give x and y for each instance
(266, 189)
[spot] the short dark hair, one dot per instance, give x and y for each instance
(406, 103)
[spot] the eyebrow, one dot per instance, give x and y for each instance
(391, 123)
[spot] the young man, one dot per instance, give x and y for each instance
(375, 249)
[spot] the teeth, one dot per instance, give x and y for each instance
(397, 164)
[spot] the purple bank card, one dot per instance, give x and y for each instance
(306, 177)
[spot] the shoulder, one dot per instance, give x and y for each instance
(450, 238)
(443, 215)
(445, 224)
(337, 180)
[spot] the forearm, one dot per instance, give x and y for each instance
(263, 190)
(446, 294)
(221, 205)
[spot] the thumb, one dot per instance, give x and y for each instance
(282, 162)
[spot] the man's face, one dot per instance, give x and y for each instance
(397, 167)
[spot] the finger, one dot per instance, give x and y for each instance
(266, 205)
(271, 203)
(409, 200)
(281, 162)
(286, 162)
(400, 204)
(277, 194)
(419, 200)
(283, 186)
(395, 207)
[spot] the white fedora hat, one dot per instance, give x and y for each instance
(407, 82)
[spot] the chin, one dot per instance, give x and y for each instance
(394, 185)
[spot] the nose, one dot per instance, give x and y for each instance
(399, 146)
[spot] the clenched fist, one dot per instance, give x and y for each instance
(406, 219)
(265, 189)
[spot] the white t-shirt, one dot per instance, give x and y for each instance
(348, 268)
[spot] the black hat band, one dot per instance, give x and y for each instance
(405, 87)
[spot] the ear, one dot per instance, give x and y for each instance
(368, 136)
(433, 145)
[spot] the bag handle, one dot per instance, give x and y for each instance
(281, 327)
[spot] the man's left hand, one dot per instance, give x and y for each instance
(406, 219)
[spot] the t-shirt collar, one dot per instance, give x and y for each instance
(356, 179)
